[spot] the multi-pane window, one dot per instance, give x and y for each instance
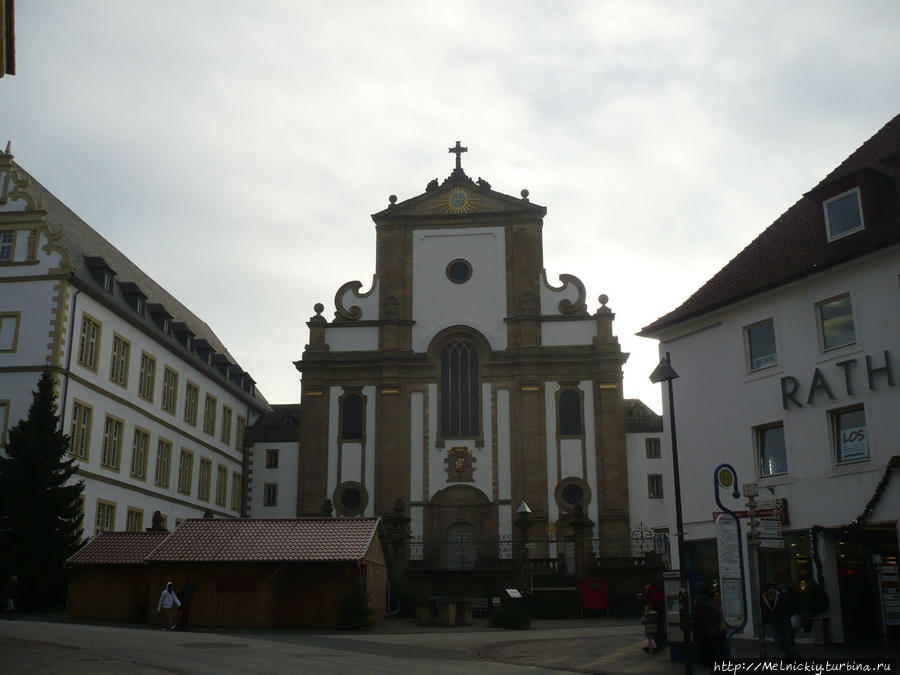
(113, 430)
(236, 491)
(836, 322)
(270, 494)
(204, 479)
(652, 446)
(221, 485)
(89, 342)
(771, 450)
(118, 367)
(185, 469)
(191, 400)
(843, 214)
(9, 331)
(459, 390)
(139, 454)
(239, 434)
(851, 440)
(655, 486)
(169, 390)
(209, 414)
(761, 345)
(6, 246)
(226, 424)
(272, 458)
(569, 413)
(134, 521)
(163, 462)
(351, 417)
(106, 517)
(80, 438)
(147, 377)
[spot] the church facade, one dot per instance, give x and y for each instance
(463, 384)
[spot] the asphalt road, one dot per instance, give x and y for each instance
(58, 647)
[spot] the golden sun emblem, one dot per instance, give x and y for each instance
(459, 201)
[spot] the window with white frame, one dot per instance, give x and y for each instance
(652, 446)
(191, 401)
(80, 436)
(113, 430)
(185, 469)
(655, 486)
(270, 494)
(134, 521)
(169, 390)
(761, 345)
(147, 377)
(272, 458)
(771, 450)
(204, 479)
(118, 367)
(836, 322)
(89, 342)
(209, 414)
(9, 331)
(843, 214)
(139, 449)
(851, 439)
(221, 485)
(163, 462)
(7, 242)
(106, 517)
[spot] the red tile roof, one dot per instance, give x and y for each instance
(795, 245)
(267, 539)
(117, 548)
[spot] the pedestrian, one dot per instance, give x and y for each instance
(653, 595)
(185, 593)
(776, 613)
(167, 600)
(651, 623)
(709, 626)
(12, 595)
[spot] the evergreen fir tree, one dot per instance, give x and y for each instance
(40, 514)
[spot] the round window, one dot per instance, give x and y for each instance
(351, 499)
(572, 494)
(459, 271)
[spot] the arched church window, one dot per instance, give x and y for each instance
(351, 417)
(461, 548)
(459, 390)
(569, 413)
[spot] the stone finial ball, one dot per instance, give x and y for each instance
(392, 199)
(524, 194)
(319, 307)
(604, 298)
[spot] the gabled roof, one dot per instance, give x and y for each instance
(479, 199)
(89, 249)
(267, 540)
(118, 548)
(795, 245)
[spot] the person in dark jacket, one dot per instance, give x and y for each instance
(776, 612)
(12, 597)
(653, 595)
(709, 626)
(185, 593)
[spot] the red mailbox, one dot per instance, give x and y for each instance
(595, 594)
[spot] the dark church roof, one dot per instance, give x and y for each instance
(118, 548)
(91, 252)
(795, 245)
(267, 539)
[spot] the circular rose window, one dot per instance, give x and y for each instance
(350, 499)
(459, 271)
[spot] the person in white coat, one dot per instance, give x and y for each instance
(168, 600)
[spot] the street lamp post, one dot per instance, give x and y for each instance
(665, 373)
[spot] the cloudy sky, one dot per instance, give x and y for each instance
(234, 150)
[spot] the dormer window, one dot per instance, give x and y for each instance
(843, 214)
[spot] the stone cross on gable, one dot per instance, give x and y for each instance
(458, 151)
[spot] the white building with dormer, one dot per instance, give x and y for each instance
(155, 406)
